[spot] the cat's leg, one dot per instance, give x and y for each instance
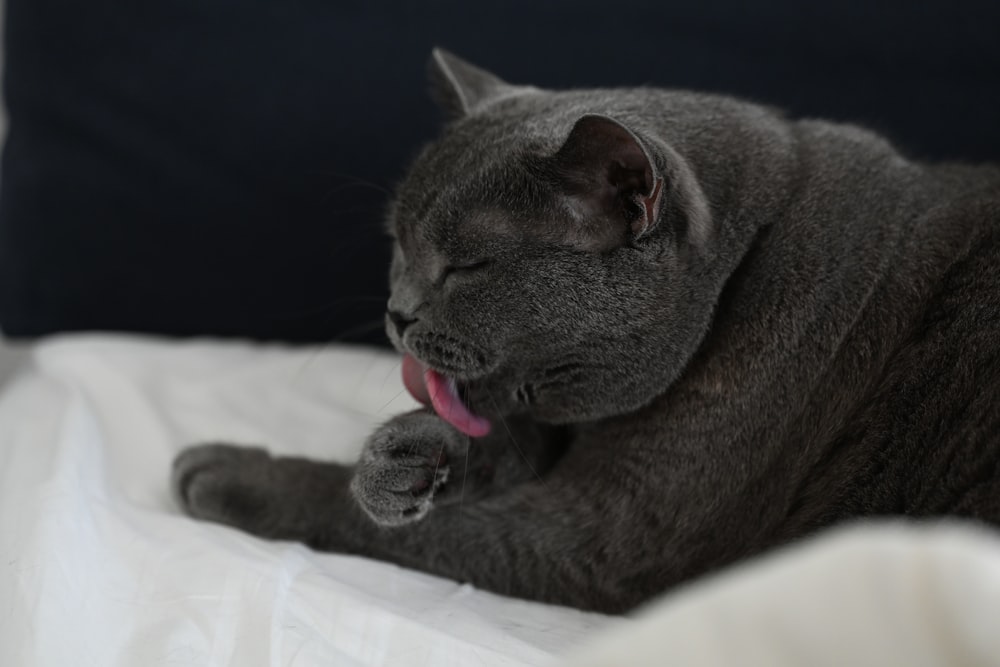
(408, 466)
(560, 540)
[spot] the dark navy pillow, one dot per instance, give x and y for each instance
(220, 167)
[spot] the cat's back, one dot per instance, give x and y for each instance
(926, 440)
(947, 375)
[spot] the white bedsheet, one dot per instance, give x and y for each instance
(872, 595)
(98, 567)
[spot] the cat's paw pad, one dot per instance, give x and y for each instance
(398, 476)
(223, 483)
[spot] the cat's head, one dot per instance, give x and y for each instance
(549, 251)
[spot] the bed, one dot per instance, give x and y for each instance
(98, 566)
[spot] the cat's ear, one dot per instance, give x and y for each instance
(609, 173)
(461, 87)
(608, 170)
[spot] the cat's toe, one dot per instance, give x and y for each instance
(223, 483)
(395, 490)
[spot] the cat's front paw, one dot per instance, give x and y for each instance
(226, 484)
(403, 466)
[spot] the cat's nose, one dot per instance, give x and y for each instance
(400, 321)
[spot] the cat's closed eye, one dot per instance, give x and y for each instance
(464, 268)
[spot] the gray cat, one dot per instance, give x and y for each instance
(658, 332)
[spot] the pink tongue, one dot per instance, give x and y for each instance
(431, 388)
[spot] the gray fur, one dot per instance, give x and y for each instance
(802, 326)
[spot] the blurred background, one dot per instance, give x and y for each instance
(221, 167)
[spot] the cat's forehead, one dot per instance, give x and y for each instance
(471, 152)
(442, 206)
(457, 230)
